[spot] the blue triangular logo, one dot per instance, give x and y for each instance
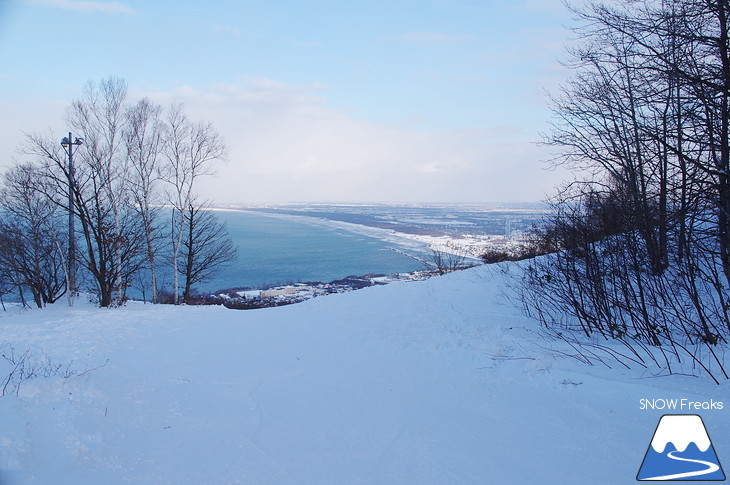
(681, 450)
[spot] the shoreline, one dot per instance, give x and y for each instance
(423, 248)
(386, 235)
(469, 247)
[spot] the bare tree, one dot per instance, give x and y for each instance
(643, 236)
(111, 239)
(31, 246)
(144, 142)
(99, 115)
(206, 246)
(190, 148)
(446, 261)
(117, 188)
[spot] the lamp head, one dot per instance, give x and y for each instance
(65, 142)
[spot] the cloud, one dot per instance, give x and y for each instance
(86, 6)
(287, 144)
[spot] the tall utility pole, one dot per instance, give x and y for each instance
(68, 145)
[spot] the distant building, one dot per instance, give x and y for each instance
(289, 290)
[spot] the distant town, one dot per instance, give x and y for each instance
(245, 299)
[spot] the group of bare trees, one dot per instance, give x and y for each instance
(641, 244)
(131, 191)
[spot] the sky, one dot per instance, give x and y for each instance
(318, 100)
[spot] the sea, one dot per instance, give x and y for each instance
(275, 250)
(286, 244)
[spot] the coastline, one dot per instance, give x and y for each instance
(423, 240)
(468, 246)
(387, 235)
(416, 247)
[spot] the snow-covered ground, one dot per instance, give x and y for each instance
(440, 381)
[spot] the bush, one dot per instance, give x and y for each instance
(29, 365)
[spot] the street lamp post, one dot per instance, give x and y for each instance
(68, 145)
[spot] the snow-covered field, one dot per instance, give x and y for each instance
(441, 381)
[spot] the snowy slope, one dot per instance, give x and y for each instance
(435, 382)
